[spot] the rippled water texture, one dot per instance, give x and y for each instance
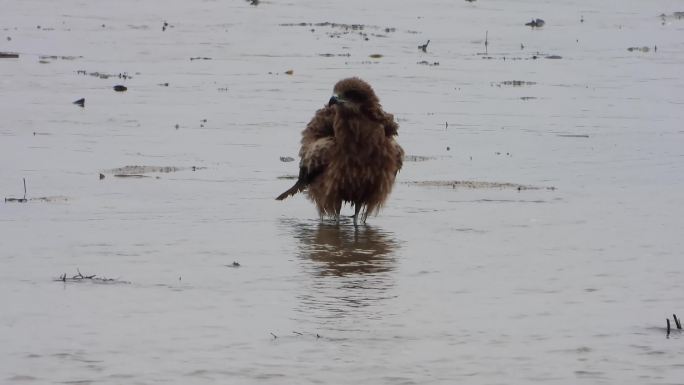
(533, 236)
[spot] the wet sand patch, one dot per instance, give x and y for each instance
(337, 30)
(103, 75)
(288, 177)
(417, 158)
(139, 171)
(514, 83)
(470, 184)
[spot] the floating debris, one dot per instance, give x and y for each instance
(573, 135)
(19, 200)
(289, 72)
(536, 23)
(341, 29)
(130, 176)
(423, 47)
(333, 55)
(427, 63)
(553, 57)
(516, 83)
(88, 278)
(200, 58)
(9, 55)
(120, 88)
(140, 171)
(56, 57)
(286, 159)
(477, 185)
(417, 158)
(51, 199)
(102, 75)
(526, 98)
(234, 264)
(375, 56)
(80, 102)
(675, 15)
(36, 199)
(639, 49)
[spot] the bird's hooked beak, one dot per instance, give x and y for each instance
(335, 100)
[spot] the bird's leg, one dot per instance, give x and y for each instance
(338, 209)
(357, 208)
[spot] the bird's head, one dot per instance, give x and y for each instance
(353, 95)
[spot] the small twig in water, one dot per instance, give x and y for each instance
(677, 322)
(423, 47)
(275, 336)
(297, 333)
(668, 326)
(81, 276)
(486, 41)
(20, 200)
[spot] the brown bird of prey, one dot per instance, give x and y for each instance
(348, 153)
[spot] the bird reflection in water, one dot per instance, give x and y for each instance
(344, 251)
(351, 269)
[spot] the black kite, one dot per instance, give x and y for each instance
(348, 153)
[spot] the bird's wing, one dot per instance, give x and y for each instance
(317, 139)
(320, 126)
(316, 156)
(317, 142)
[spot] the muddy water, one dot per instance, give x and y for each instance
(464, 277)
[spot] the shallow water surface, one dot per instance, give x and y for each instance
(533, 235)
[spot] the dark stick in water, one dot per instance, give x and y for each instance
(668, 327)
(677, 322)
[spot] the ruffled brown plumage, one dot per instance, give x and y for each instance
(349, 153)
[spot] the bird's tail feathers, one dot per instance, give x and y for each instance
(291, 191)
